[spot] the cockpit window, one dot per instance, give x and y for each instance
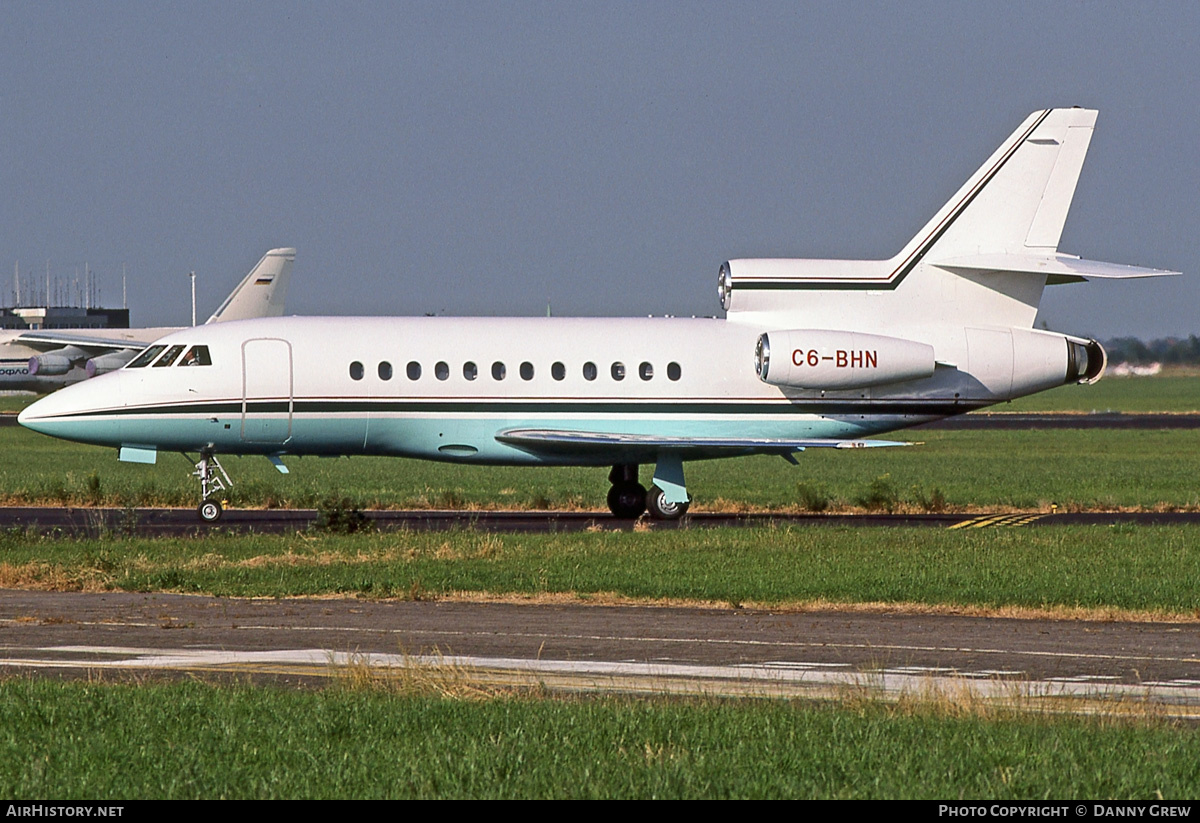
(196, 356)
(169, 357)
(145, 357)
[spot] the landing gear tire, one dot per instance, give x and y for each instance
(660, 509)
(627, 501)
(210, 511)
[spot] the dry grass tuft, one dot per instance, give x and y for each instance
(38, 576)
(425, 676)
(999, 700)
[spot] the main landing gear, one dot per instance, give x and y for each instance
(213, 481)
(628, 499)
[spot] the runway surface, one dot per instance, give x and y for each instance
(151, 522)
(592, 648)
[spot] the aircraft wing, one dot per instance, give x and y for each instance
(560, 442)
(126, 339)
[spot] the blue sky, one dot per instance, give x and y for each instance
(490, 158)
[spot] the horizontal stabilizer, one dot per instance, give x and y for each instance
(1061, 268)
(557, 441)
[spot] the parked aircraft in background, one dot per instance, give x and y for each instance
(48, 359)
(811, 353)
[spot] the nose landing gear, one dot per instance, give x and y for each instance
(213, 480)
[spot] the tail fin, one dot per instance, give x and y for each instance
(262, 292)
(985, 257)
(1017, 202)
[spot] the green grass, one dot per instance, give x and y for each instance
(12, 403)
(1083, 469)
(1171, 392)
(1147, 569)
(958, 470)
(185, 741)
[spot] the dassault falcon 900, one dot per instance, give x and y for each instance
(811, 353)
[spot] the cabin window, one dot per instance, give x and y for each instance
(558, 371)
(196, 356)
(589, 371)
(645, 371)
(673, 371)
(413, 370)
(526, 371)
(470, 371)
(385, 370)
(356, 370)
(618, 371)
(441, 370)
(498, 370)
(145, 357)
(169, 357)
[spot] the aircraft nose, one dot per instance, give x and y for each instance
(77, 412)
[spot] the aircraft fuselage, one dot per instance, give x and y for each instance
(444, 388)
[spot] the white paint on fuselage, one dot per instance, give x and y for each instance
(717, 393)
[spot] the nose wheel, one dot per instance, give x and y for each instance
(210, 511)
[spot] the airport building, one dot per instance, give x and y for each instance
(35, 318)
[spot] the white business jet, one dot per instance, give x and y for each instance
(48, 359)
(811, 353)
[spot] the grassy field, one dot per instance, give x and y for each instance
(1175, 391)
(1071, 570)
(183, 741)
(993, 470)
(952, 470)
(966, 470)
(110, 741)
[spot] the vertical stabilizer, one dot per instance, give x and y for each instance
(1017, 202)
(985, 257)
(262, 292)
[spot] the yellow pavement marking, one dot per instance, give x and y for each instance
(989, 520)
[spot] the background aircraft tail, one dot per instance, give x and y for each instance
(262, 292)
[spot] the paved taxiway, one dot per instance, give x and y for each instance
(150, 522)
(587, 647)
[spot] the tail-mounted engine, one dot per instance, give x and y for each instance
(825, 359)
(1086, 361)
